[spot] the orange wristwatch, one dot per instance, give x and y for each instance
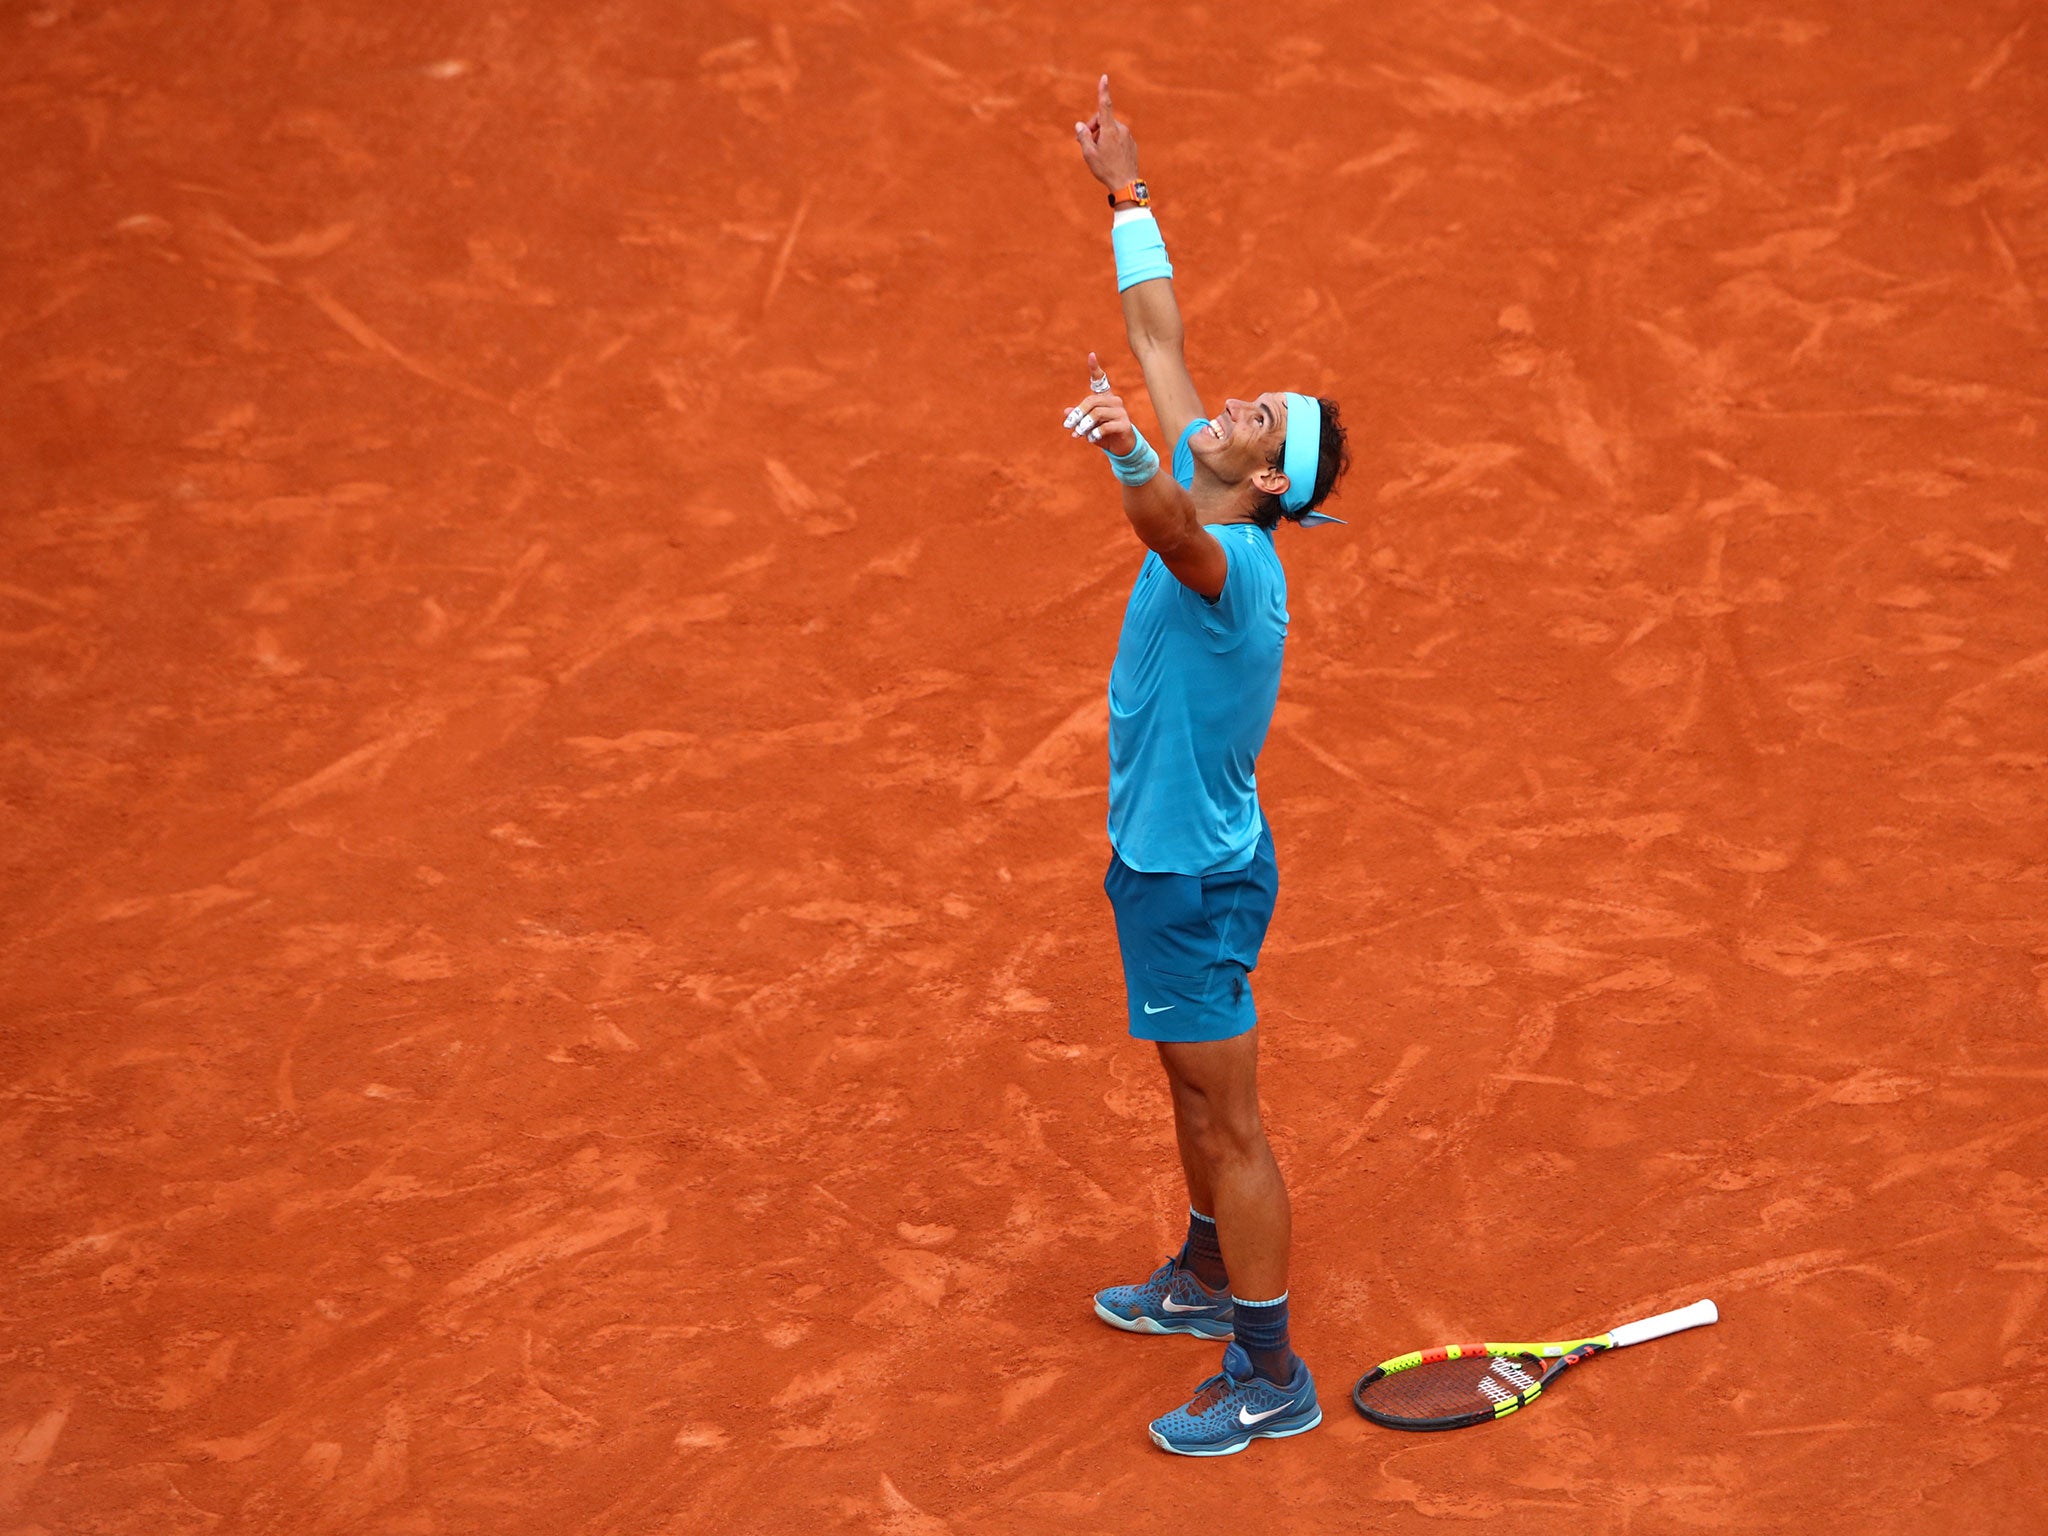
(1132, 192)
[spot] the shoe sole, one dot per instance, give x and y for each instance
(1235, 1446)
(1153, 1325)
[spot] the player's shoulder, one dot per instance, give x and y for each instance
(1249, 540)
(1257, 580)
(1183, 460)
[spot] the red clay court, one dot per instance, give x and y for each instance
(553, 656)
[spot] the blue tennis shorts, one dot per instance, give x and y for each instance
(1189, 944)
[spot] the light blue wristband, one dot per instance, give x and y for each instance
(1137, 466)
(1140, 253)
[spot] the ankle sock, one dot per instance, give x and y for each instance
(1201, 1255)
(1262, 1332)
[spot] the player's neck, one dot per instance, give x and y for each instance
(1216, 503)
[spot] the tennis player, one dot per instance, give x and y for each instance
(1192, 878)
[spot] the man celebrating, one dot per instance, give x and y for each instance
(1192, 877)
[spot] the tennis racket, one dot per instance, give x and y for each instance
(1462, 1384)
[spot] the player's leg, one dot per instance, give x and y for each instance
(1211, 1057)
(1201, 1252)
(1189, 1293)
(1210, 1053)
(1215, 1088)
(1193, 1166)
(1264, 1390)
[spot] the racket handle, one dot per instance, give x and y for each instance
(1697, 1315)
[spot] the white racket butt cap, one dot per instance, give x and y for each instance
(1698, 1315)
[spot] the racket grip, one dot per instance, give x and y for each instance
(1697, 1315)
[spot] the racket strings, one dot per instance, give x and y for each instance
(1448, 1389)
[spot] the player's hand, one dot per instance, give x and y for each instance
(1100, 418)
(1106, 144)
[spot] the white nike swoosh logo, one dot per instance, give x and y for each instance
(1167, 1009)
(1252, 1418)
(1168, 1304)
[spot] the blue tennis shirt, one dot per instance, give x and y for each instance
(1190, 701)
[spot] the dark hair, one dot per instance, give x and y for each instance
(1331, 462)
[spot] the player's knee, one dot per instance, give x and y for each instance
(1230, 1136)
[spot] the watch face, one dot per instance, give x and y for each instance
(1142, 192)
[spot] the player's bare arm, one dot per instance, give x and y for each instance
(1161, 513)
(1151, 316)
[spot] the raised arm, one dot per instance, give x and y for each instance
(1160, 512)
(1151, 316)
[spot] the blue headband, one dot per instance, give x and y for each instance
(1302, 456)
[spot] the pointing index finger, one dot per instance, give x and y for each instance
(1102, 106)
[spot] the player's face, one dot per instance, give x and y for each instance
(1243, 438)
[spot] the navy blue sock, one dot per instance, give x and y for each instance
(1262, 1330)
(1201, 1255)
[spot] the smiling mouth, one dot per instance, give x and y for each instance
(1216, 428)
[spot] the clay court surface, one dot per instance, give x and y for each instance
(552, 751)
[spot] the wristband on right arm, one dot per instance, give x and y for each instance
(1137, 466)
(1140, 250)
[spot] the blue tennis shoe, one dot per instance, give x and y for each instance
(1172, 1301)
(1235, 1407)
